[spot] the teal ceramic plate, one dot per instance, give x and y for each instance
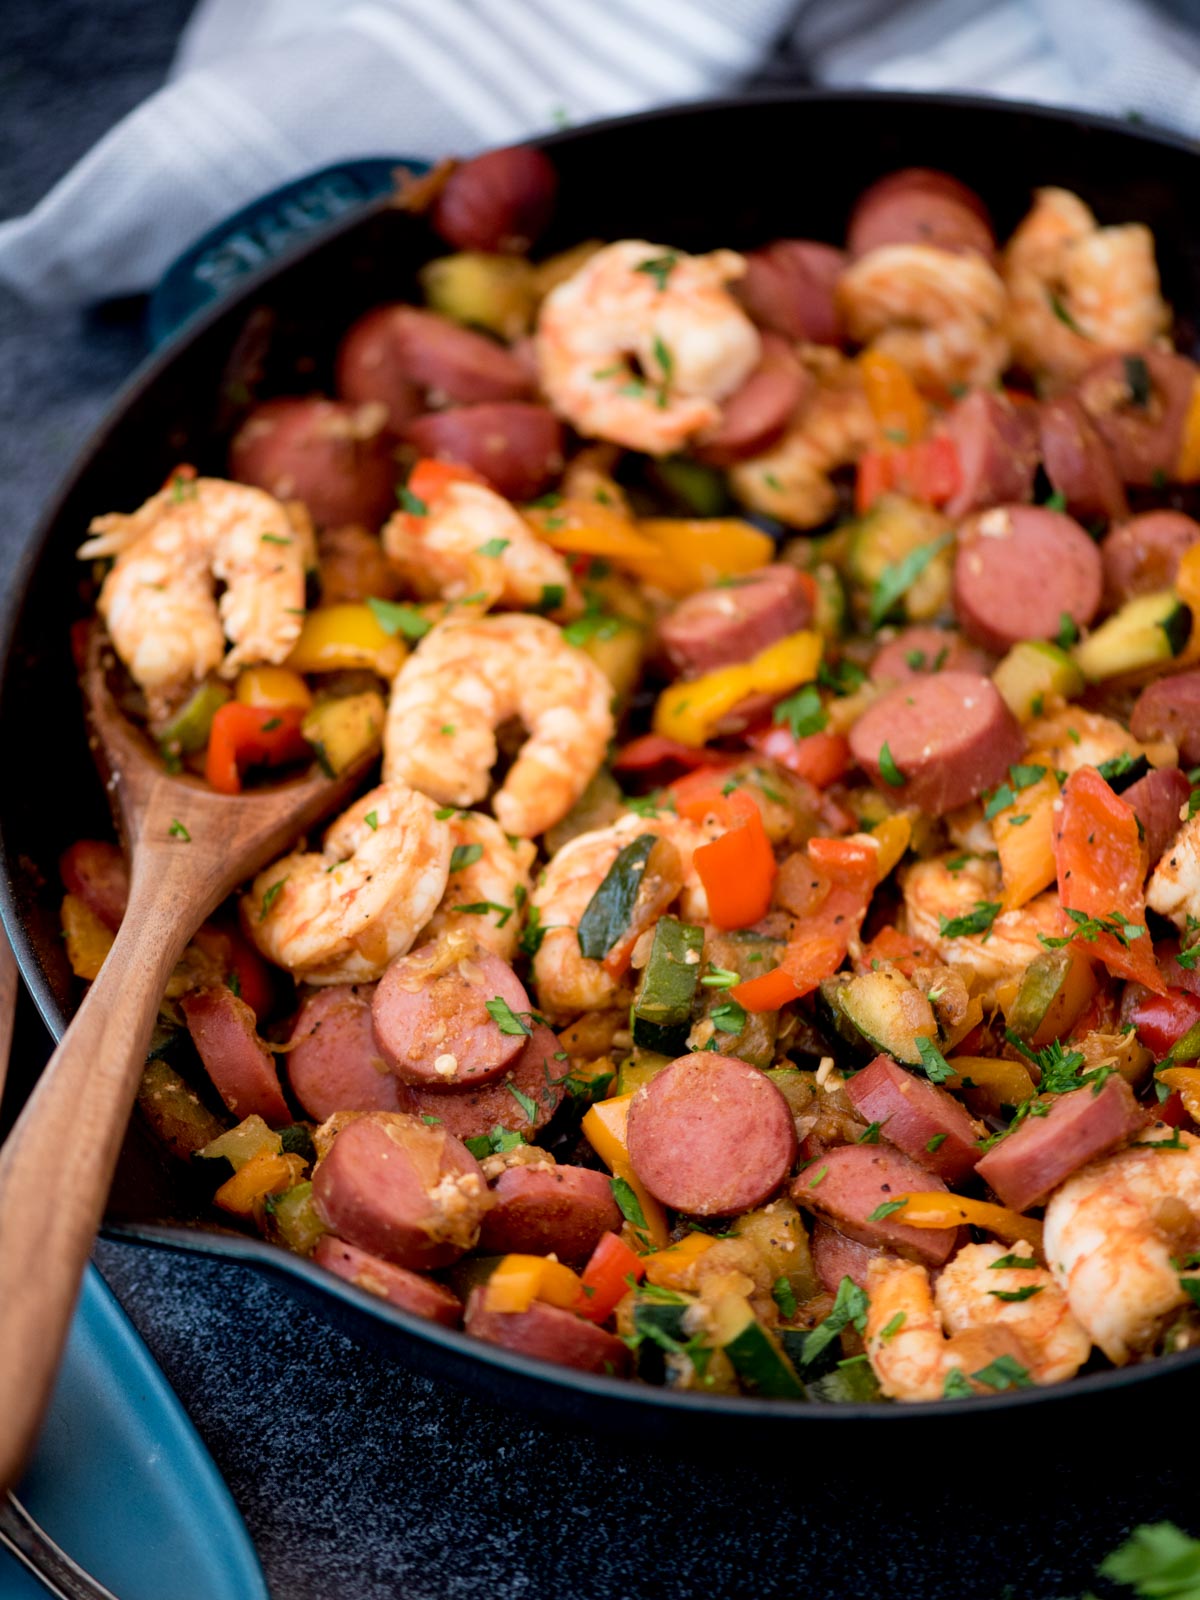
(121, 1480)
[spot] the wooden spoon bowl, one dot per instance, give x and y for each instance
(188, 847)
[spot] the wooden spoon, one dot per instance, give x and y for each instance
(188, 848)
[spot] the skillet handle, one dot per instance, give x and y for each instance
(57, 1165)
(271, 226)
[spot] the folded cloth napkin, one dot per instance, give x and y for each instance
(260, 94)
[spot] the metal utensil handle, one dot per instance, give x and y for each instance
(37, 1551)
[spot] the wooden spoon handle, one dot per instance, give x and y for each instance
(57, 1164)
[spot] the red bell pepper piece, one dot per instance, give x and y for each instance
(821, 758)
(1160, 1020)
(1101, 863)
(656, 750)
(244, 736)
(430, 478)
(738, 868)
(606, 1277)
(1173, 1111)
(928, 471)
(889, 944)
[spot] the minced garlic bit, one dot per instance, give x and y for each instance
(446, 1066)
(823, 1071)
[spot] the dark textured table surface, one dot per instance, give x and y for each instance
(360, 1481)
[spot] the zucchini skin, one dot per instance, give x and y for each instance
(662, 1009)
(606, 916)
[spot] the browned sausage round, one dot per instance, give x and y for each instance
(920, 650)
(518, 448)
(836, 1257)
(369, 369)
(755, 415)
(442, 361)
(1169, 708)
(501, 200)
(433, 1025)
(789, 288)
(920, 206)
(996, 446)
(1078, 462)
(1044, 1151)
(410, 1291)
(401, 1189)
(916, 1116)
(1139, 402)
(544, 1209)
(547, 1333)
(352, 566)
(1142, 556)
(848, 1186)
(948, 736)
(733, 622)
(97, 873)
(1019, 570)
(710, 1135)
(336, 458)
(241, 1067)
(535, 1080)
(334, 1063)
(1158, 801)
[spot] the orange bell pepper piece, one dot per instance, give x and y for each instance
(430, 478)
(1101, 865)
(605, 1279)
(901, 414)
(737, 869)
(244, 736)
(935, 1209)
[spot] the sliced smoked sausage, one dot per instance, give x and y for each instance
(916, 651)
(937, 741)
(535, 1079)
(432, 1022)
(1169, 708)
(370, 371)
(836, 1257)
(849, 1184)
(1142, 556)
(1031, 1162)
(1139, 402)
(410, 1291)
(352, 566)
(926, 1122)
(517, 447)
(1078, 462)
(996, 447)
(336, 458)
(547, 1333)
(1019, 570)
(401, 1189)
(544, 1209)
(754, 416)
(919, 205)
(242, 1069)
(334, 1063)
(97, 872)
(711, 1135)
(732, 622)
(1158, 800)
(500, 201)
(789, 288)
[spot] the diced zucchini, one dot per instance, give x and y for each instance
(600, 803)
(291, 1220)
(798, 1088)
(484, 291)
(229, 1152)
(175, 1112)
(343, 731)
(778, 1233)
(472, 1272)
(829, 616)
(888, 1012)
(698, 489)
(1123, 771)
(893, 530)
(662, 1007)
(850, 1381)
(187, 732)
(749, 955)
(607, 914)
(640, 1067)
(617, 649)
(756, 1354)
(658, 1323)
(1053, 992)
(1146, 630)
(1034, 676)
(297, 1140)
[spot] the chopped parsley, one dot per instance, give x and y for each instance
(1060, 311)
(1056, 501)
(372, 820)
(802, 713)
(659, 268)
(269, 898)
(496, 1143)
(978, 921)
(494, 547)
(553, 595)
(1017, 1295)
(937, 1068)
(1006, 1372)
(1090, 928)
(956, 1386)
(899, 576)
(410, 503)
(274, 538)
(1068, 631)
(628, 1203)
(849, 1306)
(1061, 1070)
(464, 855)
(532, 933)
(1021, 1263)
(728, 1017)
(178, 831)
(507, 1021)
(1137, 381)
(935, 1144)
(888, 770)
(886, 1209)
(395, 617)
(666, 366)
(1158, 1561)
(893, 1327)
(480, 908)
(720, 978)
(528, 1106)
(841, 677)
(870, 1134)
(784, 1297)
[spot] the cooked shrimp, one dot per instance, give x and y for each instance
(642, 344)
(568, 981)
(1074, 738)
(1110, 1235)
(470, 542)
(488, 889)
(941, 316)
(1174, 887)
(467, 677)
(792, 481)
(907, 1345)
(934, 895)
(342, 915)
(159, 599)
(967, 1296)
(1076, 290)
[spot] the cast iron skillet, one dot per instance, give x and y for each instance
(735, 173)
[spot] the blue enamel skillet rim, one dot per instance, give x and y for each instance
(607, 1404)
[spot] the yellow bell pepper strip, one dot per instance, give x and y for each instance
(899, 411)
(1024, 832)
(1187, 467)
(269, 1172)
(893, 836)
(938, 1210)
(1187, 1081)
(518, 1280)
(1187, 589)
(690, 712)
(272, 687)
(345, 637)
(88, 940)
(673, 1268)
(604, 1128)
(1009, 1081)
(702, 550)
